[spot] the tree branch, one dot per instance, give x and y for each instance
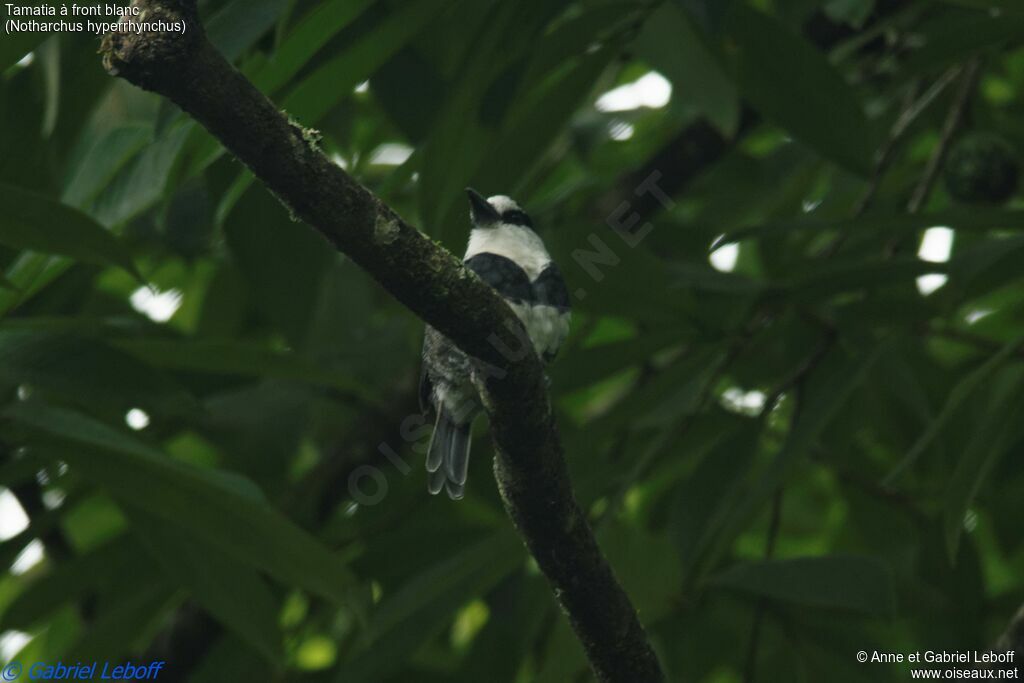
(957, 112)
(530, 465)
(687, 155)
(699, 146)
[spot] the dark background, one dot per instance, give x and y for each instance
(792, 448)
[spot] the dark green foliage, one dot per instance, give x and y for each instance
(801, 435)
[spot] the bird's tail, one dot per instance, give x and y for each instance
(448, 457)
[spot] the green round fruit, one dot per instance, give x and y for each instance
(981, 169)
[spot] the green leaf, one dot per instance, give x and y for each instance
(240, 358)
(60, 633)
(573, 37)
(852, 12)
(791, 83)
(493, 113)
(240, 23)
(336, 78)
(673, 392)
(29, 273)
(284, 264)
(302, 44)
(32, 221)
(14, 46)
(221, 508)
(459, 140)
(710, 14)
(646, 566)
(958, 39)
(988, 5)
(309, 35)
(587, 366)
(669, 43)
(411, 91)
(48, 58)
(703, 278)
(519, 607)
(126, 625)
(101, 160)
(538, 119)
(702, 501)
(825, 279)
(855, 584)
(960, 393)
(420, 608)
(563, 657)
(979, 268)
(142, 181)
(87, 370)
(827, 389)
(977, 219)
(99, 571)
(231, 591)
(993, 432)
(609, 275)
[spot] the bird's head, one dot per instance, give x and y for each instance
(495, 211)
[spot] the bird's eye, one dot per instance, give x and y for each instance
(516, 217)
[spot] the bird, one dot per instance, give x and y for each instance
(505, 252)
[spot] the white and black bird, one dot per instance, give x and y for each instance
(509, 256)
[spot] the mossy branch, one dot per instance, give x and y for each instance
(530, 465)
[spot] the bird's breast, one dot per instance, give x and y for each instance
(514, 242)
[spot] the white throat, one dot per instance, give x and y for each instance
(518, 243)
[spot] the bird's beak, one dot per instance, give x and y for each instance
(480, 209)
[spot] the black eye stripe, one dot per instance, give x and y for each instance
(516, 217)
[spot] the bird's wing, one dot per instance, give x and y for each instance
(549, 288)
(549, 291)
(503, 274)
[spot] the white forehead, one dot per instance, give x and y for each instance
(501, 203)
